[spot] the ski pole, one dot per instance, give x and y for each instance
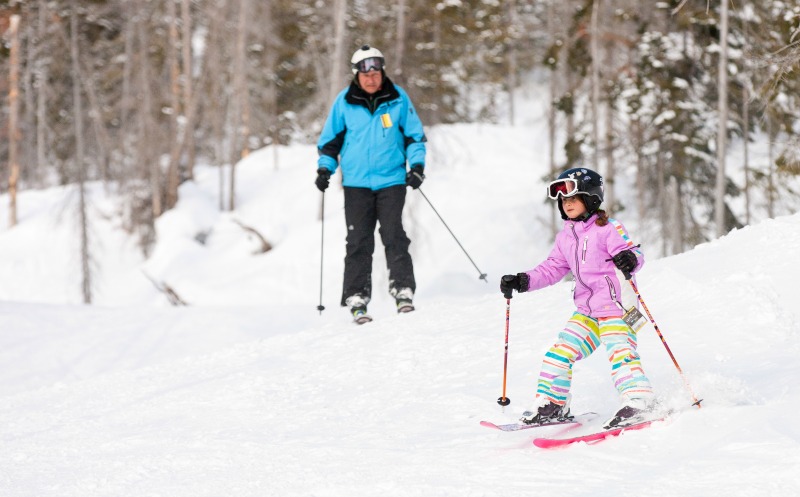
(503, 400)
(655, 326)
(482, 274)
(321, 307)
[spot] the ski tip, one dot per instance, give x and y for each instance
(547, 443)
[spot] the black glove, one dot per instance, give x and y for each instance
(323, 178)
(626, 262)
(518, 282)
(415, 177)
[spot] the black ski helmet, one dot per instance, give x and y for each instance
(590, 186)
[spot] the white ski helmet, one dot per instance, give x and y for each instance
(366, 58)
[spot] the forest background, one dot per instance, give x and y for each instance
(135, 93)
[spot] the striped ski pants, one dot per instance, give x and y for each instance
(581, 336)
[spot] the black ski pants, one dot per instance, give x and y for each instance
(363, 210)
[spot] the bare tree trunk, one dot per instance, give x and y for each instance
(240, 100)
(567, 78)
(437, 39)
(675, 222)
(641, 206)
(188, 87)
(770, 169)
(213, 59)
(100, 130)
(13, 116)
(271, 93)
(171, 197)
(722, 130)
(511, 78)
(126, 99)
(595, 48)
(746, 143)
(30, 170)
(663, 212)
(148, 162)
(79, 159)
(339, 9)
(552, 113)
(609, 144)
(41, 100)
(400, 43)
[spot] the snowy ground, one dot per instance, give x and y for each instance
(249, 391)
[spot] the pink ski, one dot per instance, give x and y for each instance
(595, 437)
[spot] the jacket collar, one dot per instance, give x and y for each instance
(583, 224)
(356, 96)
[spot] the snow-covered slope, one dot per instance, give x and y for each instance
(249, 391)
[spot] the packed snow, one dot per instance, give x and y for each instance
(250, 391)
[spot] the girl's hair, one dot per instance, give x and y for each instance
(602, 218)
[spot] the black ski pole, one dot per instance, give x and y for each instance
(321, 307)
(482, 274)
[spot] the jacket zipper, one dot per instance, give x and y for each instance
(585, 243)
(613, 292)
(578, 265)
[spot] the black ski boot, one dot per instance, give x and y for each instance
(632, 412)
(548, 413)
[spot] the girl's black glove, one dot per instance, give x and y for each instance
(510, 282)
(626, 262)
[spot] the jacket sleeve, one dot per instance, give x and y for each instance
(332, 137)
(619, 240)
(550, 271)
(413, 133)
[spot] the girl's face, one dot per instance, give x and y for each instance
(573, 206)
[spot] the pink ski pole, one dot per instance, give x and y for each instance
(655, 326)
(503, 400)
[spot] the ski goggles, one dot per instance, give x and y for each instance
(369, 64)
(566, 187)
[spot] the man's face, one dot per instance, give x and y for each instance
(370, 81)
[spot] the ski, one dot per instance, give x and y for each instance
(575, 420)
(404, 307)
(595, 436)
(362, 319)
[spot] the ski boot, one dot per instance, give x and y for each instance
(403, 297)
(632, 411)
(548, 413)
(358, 308)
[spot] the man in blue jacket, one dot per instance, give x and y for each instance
(373, 132)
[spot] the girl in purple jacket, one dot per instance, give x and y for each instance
(592, 246)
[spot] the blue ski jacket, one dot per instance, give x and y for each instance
(373, 137)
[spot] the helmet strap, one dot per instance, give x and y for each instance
(583, 217)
